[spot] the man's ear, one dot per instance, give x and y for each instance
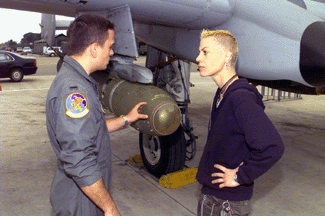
(93, 48)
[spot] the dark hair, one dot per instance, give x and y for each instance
(86, 30)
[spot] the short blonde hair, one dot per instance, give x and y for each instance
(226, 39)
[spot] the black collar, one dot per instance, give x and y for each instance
(224, 87)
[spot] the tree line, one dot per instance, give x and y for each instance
(27, 41)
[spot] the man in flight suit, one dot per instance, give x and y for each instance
(76, 124)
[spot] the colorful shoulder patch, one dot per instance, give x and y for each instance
(76, 105)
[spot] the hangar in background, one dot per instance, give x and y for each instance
(40, 44)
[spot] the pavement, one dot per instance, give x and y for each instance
(294, 186)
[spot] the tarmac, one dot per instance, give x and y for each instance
(295, 186)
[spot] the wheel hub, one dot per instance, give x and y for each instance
(152, 149)
(16, 75)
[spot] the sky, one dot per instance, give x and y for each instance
(15, 23)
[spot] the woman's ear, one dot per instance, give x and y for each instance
(228, 58)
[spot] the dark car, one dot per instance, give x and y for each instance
(15, 66)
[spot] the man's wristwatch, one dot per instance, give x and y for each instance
(126, 120)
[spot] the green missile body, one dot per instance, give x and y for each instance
(120, 96)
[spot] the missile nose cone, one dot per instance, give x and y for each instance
(166, 118)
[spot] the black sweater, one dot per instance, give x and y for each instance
(240, 132)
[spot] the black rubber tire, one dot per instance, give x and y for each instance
(165, 154)
(16, 75)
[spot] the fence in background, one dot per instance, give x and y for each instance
(273, 94)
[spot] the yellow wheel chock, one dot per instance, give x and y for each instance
(136, 160)
(170, 180)
(179, 178)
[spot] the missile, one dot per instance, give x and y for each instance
(120, 96)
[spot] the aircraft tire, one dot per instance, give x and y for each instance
(164, 154)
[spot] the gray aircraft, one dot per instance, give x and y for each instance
(281, 43)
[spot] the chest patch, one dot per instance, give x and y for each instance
(76, 105)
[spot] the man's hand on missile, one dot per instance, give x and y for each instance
(134, 114)
(115, 124)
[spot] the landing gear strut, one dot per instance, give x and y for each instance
(166, 154)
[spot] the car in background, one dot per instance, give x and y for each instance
(27, 50)
(50, 52)
(16, 66)
(19, 49)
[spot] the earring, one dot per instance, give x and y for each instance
(227, 66)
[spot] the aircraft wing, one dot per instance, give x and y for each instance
(175, 13)
(48, 7)
(279, 41)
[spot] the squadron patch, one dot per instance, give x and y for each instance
(76, 105)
